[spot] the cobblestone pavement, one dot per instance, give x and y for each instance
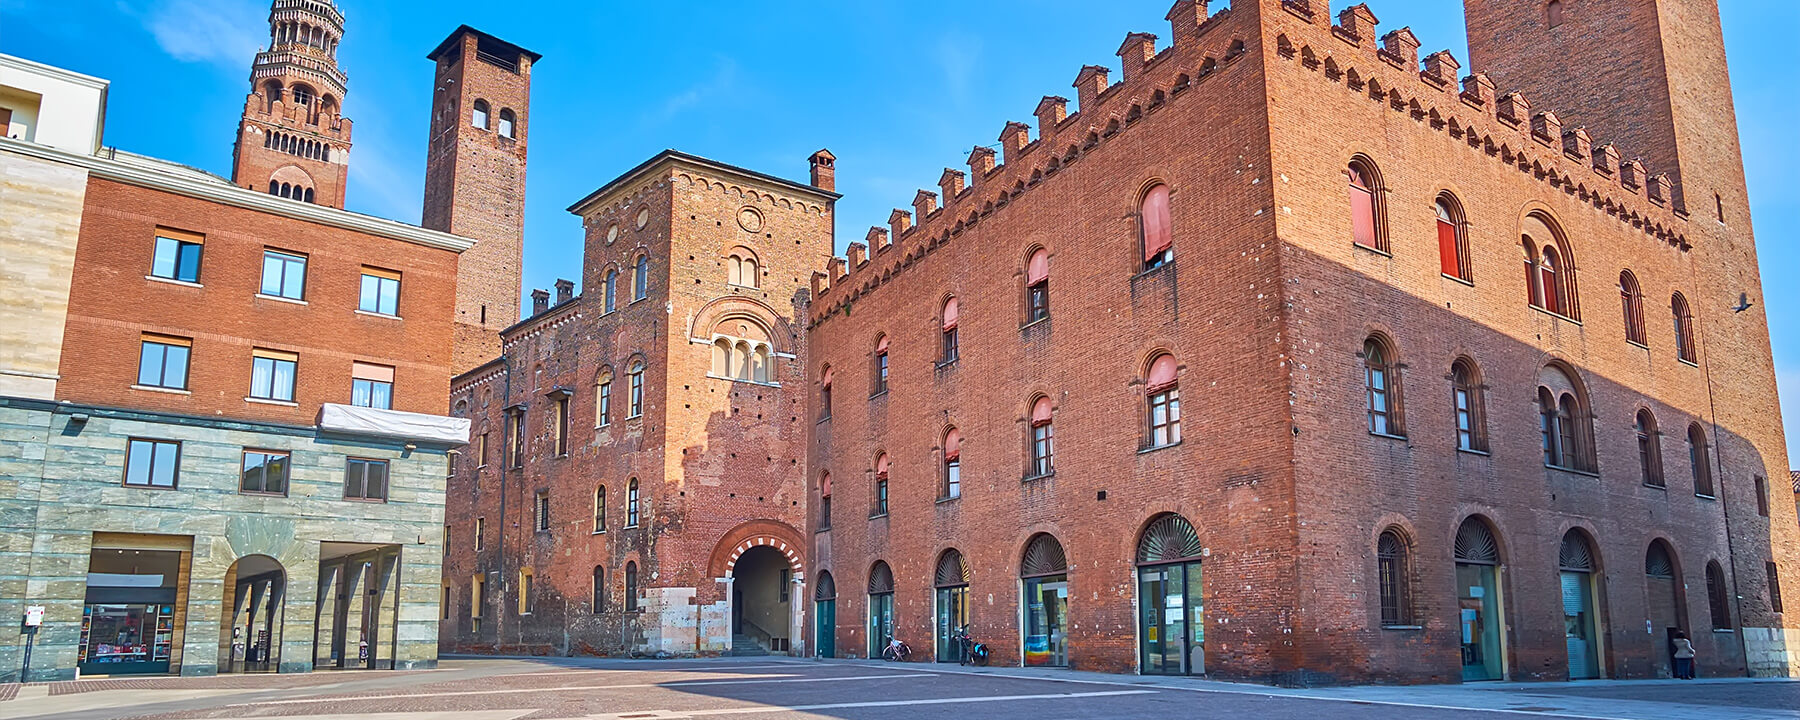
(786, 689)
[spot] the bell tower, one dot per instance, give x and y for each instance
(292, 140)
(475, 180)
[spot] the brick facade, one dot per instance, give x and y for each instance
(293, 139)
(1251, 118)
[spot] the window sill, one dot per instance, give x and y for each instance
(381, 315)
(278, 298)
(878, 395)
(173, 281)
(261, 493)
(1572, 471)
(631, 527)
(1557, 315)
(824, 529)
(1034, 323)
(153, 388)
(1704, 496)
(948, 499)
(1404, 628)
(1376, 250)
(1473, 451)
(138, 486)
(1154, 448)
(1389, 436)
(1687, 362)
(598, 532)
(742, 287)
(1153, 270)
(823, 420)
(945, 364)
(878, 516)
(1629, 341)
(1460, 281)
(371, 501)
(268, 401)
(1724, 631)
(629, 418)
(746, 381)
(1664, 488)
(1045, 476)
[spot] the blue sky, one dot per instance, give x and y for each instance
(897, 90)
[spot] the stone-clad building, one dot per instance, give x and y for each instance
(1471, 392)
(223, 439)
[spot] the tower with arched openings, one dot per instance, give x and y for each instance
(293, 140)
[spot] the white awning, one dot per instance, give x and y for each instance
(418, 427)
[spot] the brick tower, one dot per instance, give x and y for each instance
(292, 141)
(475, 179)
(1650, 76)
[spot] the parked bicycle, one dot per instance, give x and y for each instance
(969, 652)
(896, 651)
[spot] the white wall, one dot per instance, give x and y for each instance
(52, 106)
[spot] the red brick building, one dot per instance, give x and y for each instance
(1402, 458)
(293, 139)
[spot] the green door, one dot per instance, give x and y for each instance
(825, 628)
(881, 622)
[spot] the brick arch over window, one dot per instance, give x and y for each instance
(1368, 207)
(735, 542)
(289, 181)
(1565, 419)
(1550, 265)
(779, 333)
(1631, 303)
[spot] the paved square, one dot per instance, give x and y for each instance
(783, 689)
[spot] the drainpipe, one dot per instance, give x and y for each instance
(1718, 460)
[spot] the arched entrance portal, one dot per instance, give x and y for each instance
(250, 635)
(762, 604)
(1172, 614)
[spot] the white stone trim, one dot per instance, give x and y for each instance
(793, 556)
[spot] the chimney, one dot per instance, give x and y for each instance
(824, 172)
(565, 291)
(1136, 52)
(540, 300)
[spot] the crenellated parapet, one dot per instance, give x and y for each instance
(1501, 126)
(1204, 43)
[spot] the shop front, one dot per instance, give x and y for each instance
(1171, 611)
(1044, 573)
(129, 618)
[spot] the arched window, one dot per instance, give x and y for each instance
(274, 188)
(600, 509)
(1155, 229)
(1043, 438)
(1367, 226)
(721, 364)
(309, 195)
(1698, 457)
(603, 398)
(742, 269)
(1553, 13)
(949, 330)
(825, 501)
(599, 601)
(631, 587)
(479, 118)
(952, 487)
(631, 503)
(825, 394)
(1564, 422)
(1649, 444)
(635, 379)
(1037, 286)
(611, 290)
(879, 503)
(302, 94)
(1631, 301)
(640, 278)
(1163, 393)
(1453, 243)
(759, 364)
(506, 122)
(1684, 328)
(1393, 576)
(880, 367)
(1383, 387)
(1550, 273)
(1718, 596)
(1470, 405)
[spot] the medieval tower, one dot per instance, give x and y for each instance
(292, 141)
(475, 179)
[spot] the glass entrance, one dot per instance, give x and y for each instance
(128, 621)
(1578, 625)
(1479, 615)
(881, 622)
(1171, 620)
(952, 614)
(1046, 607)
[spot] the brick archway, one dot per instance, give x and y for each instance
(741, 539)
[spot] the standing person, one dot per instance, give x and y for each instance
(1684, 656)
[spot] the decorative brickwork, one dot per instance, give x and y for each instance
(293, 139)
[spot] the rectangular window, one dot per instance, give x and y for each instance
(163, 362)
(953, 478)
(1165, 418)
(881, 496)
(1043, 449)
(1762, 496)
(177, 255)
(152, 463)
(380, 291)
(637, 393)
(541, 508)
(786, 581)
(1774, 574)
(515, 437)
(371, 385)
(272, 375)
(525, 594)
(365, 479)
(284, 275)
(1037, 301)
(265, 471)
(605, 401)
(950, 340)
(445, 603)
(481, 453)
(562, 425)
(477, 599)
(480, 530)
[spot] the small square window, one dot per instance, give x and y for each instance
(152, 463)
(365, 479)
(265, 471)
(380, 292)
(177, 256)
(284, 275)
(371, 385)
(272, 375)
(163, 362)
